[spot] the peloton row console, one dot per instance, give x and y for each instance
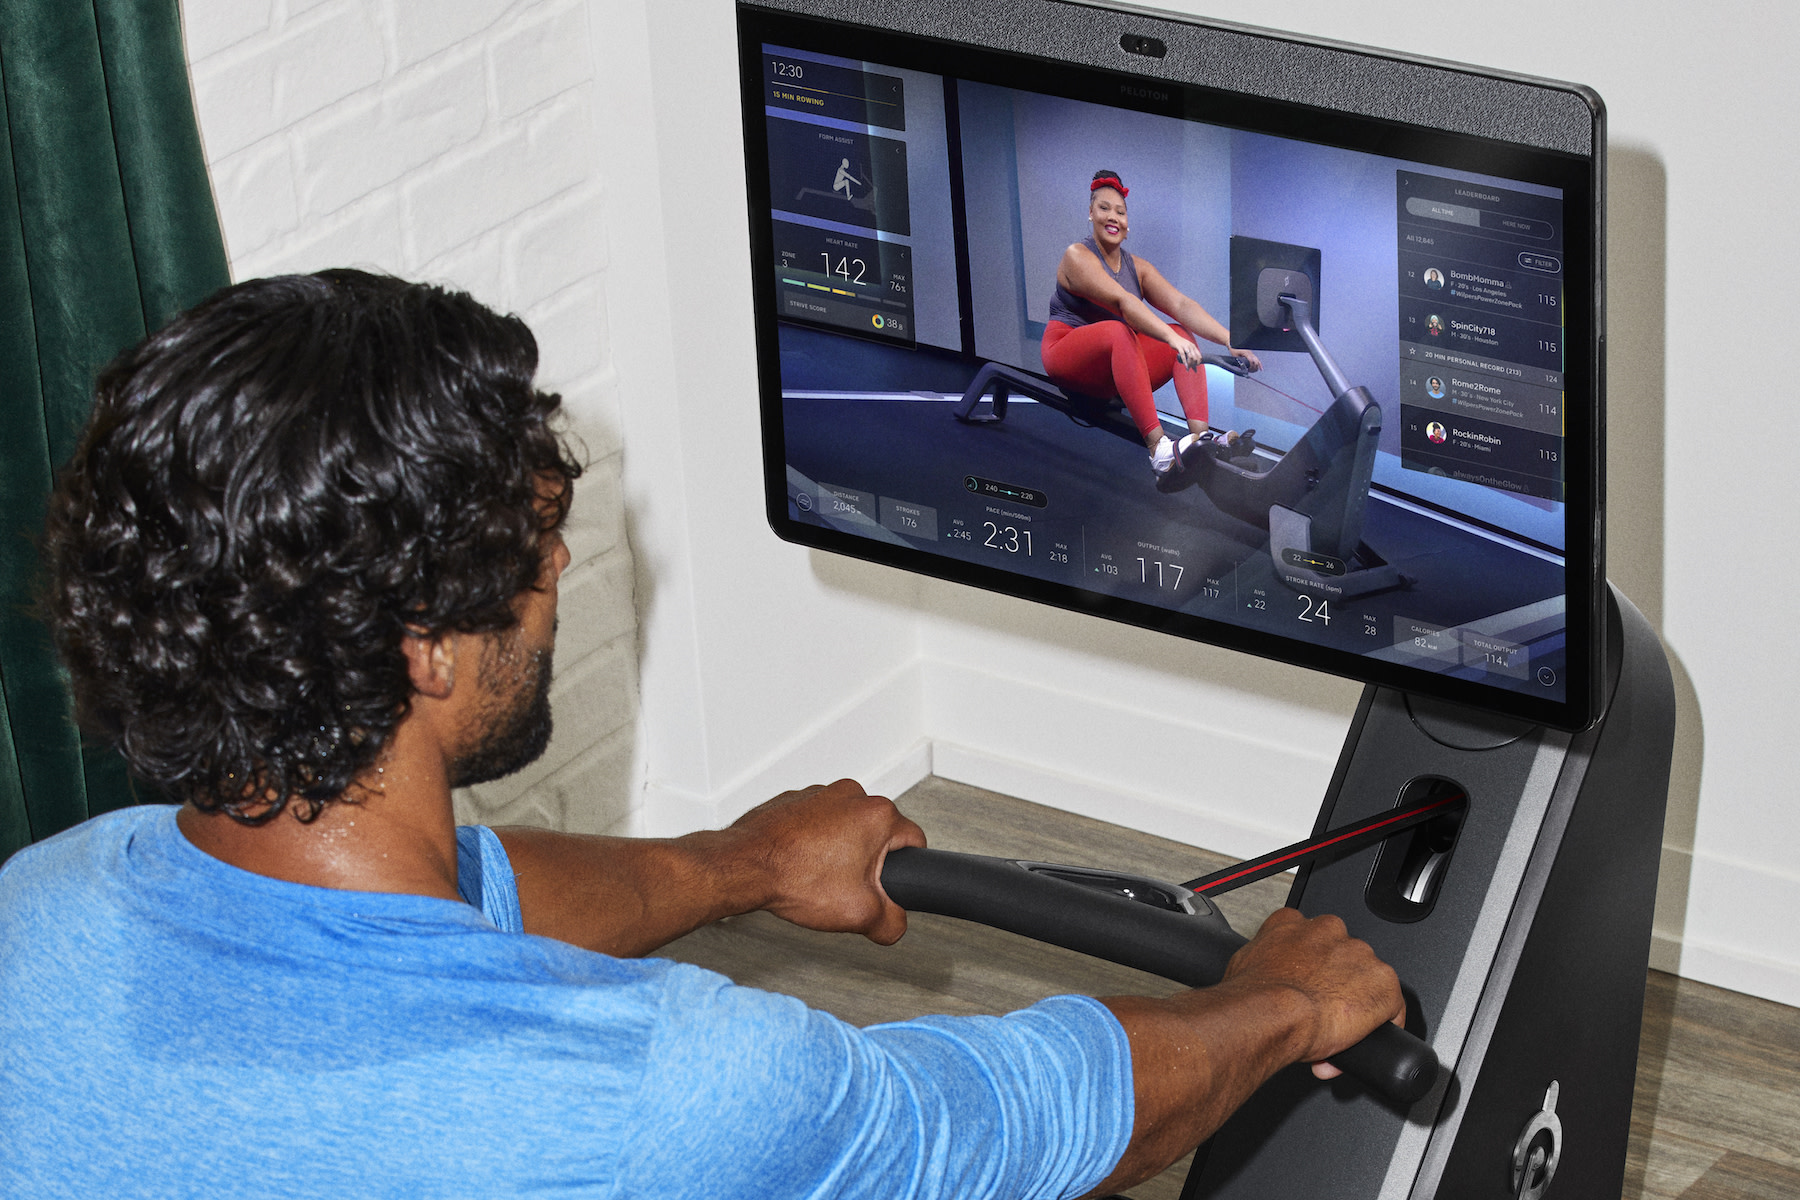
(1400, 483)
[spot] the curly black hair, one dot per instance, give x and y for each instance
(272, 492)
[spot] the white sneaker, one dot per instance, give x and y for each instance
(1165, 460)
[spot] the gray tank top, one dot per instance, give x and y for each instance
(1070, 309)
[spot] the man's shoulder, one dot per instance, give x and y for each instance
(83, 854)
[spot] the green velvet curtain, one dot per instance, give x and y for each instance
(107, 229)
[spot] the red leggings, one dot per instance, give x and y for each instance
(1109, 358)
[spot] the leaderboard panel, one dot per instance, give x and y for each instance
(1481, 334)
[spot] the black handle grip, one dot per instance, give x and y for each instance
(1192, 949)
(1000, 893)
(1228, 362)
(1393, 1062)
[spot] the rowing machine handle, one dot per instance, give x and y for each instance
(1228, 362)
(1191, 948)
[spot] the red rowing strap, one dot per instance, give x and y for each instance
(1342, 840)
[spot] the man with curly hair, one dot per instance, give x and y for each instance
(303, 573)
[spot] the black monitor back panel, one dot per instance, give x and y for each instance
(1411, 248)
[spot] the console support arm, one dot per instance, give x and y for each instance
(1301, 312)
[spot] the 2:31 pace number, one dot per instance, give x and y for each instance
(1005, 537)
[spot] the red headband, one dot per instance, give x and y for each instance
(1111, 181)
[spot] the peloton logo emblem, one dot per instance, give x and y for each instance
(1142, 93)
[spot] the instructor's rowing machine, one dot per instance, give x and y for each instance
(1311, 498)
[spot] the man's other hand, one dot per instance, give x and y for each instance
(1299, 991)
(822, 849)
(1347, 990)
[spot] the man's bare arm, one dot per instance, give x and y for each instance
(1301, 991)
(812, 857)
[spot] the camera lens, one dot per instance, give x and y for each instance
(1134, 43)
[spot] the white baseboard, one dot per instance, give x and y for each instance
(1729, 922)
(912, 766)
(1729, 968)
(664, 811)
(1101, 801)
(872, 738)
(1169, 772)
(1665, 952)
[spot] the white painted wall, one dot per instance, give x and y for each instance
(579, 161)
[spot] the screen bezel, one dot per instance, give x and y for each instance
(1578, 175)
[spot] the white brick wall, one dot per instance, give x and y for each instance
(452, 141)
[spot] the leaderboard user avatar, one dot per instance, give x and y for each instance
(1104, 339)
(303, 572)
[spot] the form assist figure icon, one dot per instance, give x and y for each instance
(846, 186)
(845, 179)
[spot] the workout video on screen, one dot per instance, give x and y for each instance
(1373, 463)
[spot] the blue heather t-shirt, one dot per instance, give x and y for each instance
(174, 1026)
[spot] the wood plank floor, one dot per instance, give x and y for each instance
(1717, 1111)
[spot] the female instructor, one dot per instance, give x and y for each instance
(1104, 340)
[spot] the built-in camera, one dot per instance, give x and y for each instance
(1137, 43)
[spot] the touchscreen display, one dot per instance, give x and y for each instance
(1303, 386)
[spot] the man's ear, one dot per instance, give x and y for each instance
(430, 663)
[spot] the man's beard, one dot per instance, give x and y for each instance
(515, 715)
